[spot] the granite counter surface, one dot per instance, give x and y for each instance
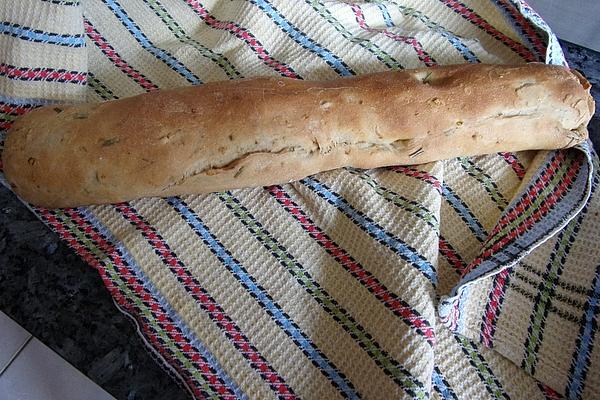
(61, 300)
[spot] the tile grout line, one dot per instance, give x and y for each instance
(13, 358)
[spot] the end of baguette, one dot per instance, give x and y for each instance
(586, 85)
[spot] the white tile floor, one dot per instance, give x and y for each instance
(31, 371)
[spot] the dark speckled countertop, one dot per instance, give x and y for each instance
(588, 62)
(51, 292)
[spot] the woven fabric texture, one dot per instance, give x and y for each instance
(472, 278)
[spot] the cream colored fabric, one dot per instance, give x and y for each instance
(386, 283)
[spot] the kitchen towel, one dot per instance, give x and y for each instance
(474, 278)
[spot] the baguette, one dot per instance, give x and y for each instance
(263, 131)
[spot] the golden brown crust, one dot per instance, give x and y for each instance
(253, 132)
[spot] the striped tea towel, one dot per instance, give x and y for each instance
(474, 278)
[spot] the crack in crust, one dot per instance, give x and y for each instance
(347, 147)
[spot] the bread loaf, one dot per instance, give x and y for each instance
(253, 132)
